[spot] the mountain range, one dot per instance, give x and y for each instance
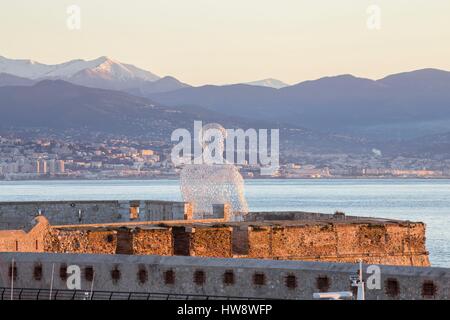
(400, 106)
(102, 73)
(58, 105)
(342, 110)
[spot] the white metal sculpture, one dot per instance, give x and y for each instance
(213, 182)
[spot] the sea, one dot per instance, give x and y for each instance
(426, 200)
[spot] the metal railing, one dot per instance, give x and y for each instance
(60, 294)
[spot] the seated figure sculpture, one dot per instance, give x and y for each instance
(208, 182)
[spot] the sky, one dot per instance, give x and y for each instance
(232, 41)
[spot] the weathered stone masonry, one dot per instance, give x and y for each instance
(17, 215)
(388, 243)
(27, 240)
(373, 241)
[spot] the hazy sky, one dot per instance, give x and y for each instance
(229, 41)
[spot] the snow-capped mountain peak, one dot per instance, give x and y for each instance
(271, 83)
(23, 67)
(102, 67)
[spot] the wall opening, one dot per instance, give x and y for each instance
(291, 281)
(181, 241)
(89, 273)
(124, 242)
(353, 289)
(240, 243)
(392, 287)
(134, 212)
(76, 244)
(115, 275)
(228, 277)
(169, 277)
(37, 273)
(199, 277)
(63, 272)
(12, 271)
(429, 289)
(323, 283)
(142, 275)
(259, 279)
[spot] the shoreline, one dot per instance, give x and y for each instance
(171, 178)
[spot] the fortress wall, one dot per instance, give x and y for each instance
(308, 241)
(211, 242)
(339, 241)
(417, 239)
(342, 242)
(163, 210)
(259, 242)
(16, 215)
(142, 241)
(207, 242)
(27, 240)
(8, 240)
(367, 238)
(295, 215)
(240, 240)
(79, 241)
(305, 278)
(102, 241)
(153, 241)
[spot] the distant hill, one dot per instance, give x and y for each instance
(11, 80)
(60, 105)
(430, 146)
(165, 84)
(402, 111)
(402, 105)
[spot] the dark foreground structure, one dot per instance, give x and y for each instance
(159, 277)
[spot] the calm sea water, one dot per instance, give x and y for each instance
(416, 200)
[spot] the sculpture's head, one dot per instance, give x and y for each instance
(214, 136)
